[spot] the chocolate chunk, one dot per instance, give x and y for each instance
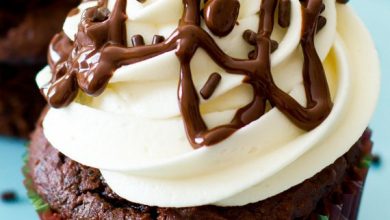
(376, 160)
(221, 16)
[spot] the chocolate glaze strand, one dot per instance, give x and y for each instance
(101, 47)
(96, 30)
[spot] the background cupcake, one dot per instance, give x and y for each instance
(26, 28)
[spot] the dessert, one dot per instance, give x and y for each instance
(205, 110)
(25, 32)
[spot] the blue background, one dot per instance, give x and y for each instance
(376, 198)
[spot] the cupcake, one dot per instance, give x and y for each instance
(26, 28)
(205, 110)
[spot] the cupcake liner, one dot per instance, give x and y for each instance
(343, 203)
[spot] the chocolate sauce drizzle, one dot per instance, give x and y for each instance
(100, 48)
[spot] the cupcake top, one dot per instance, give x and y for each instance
(225, 102)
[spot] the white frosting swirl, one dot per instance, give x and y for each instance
(134, 132)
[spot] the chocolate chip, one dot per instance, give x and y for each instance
(376, 160)
(8, 196)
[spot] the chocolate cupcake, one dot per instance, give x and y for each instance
(26, 28)
(64, 189)
(205, 110)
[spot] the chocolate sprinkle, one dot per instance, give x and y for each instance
(210, 86)
(137, 40)
(157, 39)
(284, 15)
(104, 47)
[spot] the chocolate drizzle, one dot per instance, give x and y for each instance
(100, 48)
(98, 29)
